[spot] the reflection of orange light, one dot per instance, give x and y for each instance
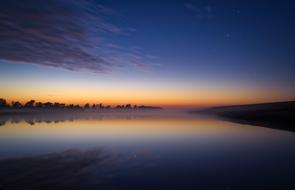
(152, 127)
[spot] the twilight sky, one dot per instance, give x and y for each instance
(167, 53)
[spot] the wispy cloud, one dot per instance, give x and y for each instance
(200, 11)
(73, 35)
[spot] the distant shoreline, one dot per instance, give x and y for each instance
(15, 107)
(277, 115)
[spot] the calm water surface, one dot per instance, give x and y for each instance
(146, 150)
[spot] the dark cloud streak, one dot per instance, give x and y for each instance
(56, 33)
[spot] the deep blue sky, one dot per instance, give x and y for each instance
(243, 48)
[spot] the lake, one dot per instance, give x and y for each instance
(142, 150)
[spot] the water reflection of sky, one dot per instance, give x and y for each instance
(166, 144)
(167, 130)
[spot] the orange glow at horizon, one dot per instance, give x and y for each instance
(169, 97)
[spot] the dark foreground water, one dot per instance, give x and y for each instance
(145, 150)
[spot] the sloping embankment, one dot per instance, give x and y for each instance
(279, 115)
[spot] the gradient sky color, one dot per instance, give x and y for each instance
(167, 53)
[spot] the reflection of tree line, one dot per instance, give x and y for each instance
(33, 119)
(33, 122)
(32, 104)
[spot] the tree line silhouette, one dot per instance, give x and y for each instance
(32, 104)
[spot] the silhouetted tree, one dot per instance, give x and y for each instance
(16, 105)
(94, 106)
(100, 105)
(48, 105)
(86, 106)
(77, 107)
(128, 106)
(39, 105)
(62, 105)
(58, 105)
(3, 103)
(30, 104)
